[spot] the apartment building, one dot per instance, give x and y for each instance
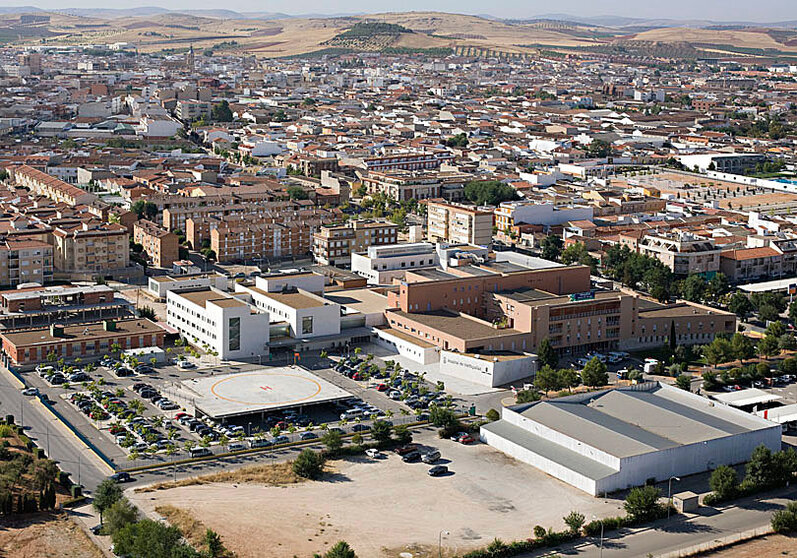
(190, 110)
(402, 185)
(381, 264)
(511, 214)
(91, 247)
(334, 245)
(25, 261)
(162, 246)
(408, 161)
(51, 187)
(86, 341)
(159, 285)
(683, 252)
(751, 264)
(218, 322)
(459, 224)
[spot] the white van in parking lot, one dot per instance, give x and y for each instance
(351, 414)
(200, 452)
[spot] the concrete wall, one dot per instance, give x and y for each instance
(486, 372)
(416, 353)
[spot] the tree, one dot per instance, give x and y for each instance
(547, 379)
(527, 396)
(568, 378)
(740, 305)
(309, 464)
(381, 431)
(760, 467)
(785, 521)
(121, 514)
(594, 373)
(221, 112)
(297, 193)
(717, 286)
(599, 149)
(403, 434)
(776, 329)
(333, 441)
(724, 482)
(742, 347)
(768, 313)
(693, 288)
(146, 312)
(108, 492)
(577, 253)
(642, 503)
(575, 521)
(768, 346)
(551, 247)
(787, 342)
(340, 550)
(489, 192)
(793, 311)
(546, 354)
(719, 350)
(149, 539)
(684, 381)
(492, 415)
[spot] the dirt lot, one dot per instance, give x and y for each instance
(45, 535)
(385, 507)
(766, 547)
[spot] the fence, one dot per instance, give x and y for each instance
(719, 542)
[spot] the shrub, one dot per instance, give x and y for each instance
(724, 483)
(492, 415)
(785, 521)
(642, 503)
(539, 531)
(309, 464)
(574, 520)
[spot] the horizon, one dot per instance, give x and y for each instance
(765, 11)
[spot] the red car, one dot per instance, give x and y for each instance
(282, 425)
(356, 376)
(381, 387)
(180, 415)
(463, 438)
(404, 450)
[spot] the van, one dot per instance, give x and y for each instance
(200, 452)
(351, 413)
(236, 446)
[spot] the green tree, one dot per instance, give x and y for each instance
(768, 313)
(489, 192)
(594, 373)
(527, 396)
(724, 482)
(776, 329)
(551, 247)
(740, 305)
(693, 288)
(785, 521)
(340, 550)
(297, 193)
(768, 346)
(149, 539)
(577, 253)
(309, 464)
(221, 112)
(642, 503)
(547, 379)
(546, 354)
(121, 514)
(760, 467)
(742, 347)
(575, 521)
(492, 415)
(333, 441)
(719, 350)
(215, 548)
(403, 434)
(381, 431)
(684, 381)
(107, 493)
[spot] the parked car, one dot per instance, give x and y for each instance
(411, 457)
(236, 446)
(351, 414)
(463, 438)
(431, 456)
(30, 391)
(374, 453)
(199, 452)
(360, 428)
(280, 440)
(261, 443)
(403, 450)
(121, 477)
(309, 436)
(185, 365)
(438, 470)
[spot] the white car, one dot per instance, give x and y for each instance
(236, 446)
(185, 365)
(30, 391)
(374, 453)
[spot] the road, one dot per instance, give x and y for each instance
(58, 442)
(681, 532)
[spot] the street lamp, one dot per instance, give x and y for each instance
(440, 543)
(669, 493)
(601, 546)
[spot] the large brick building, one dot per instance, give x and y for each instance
(162, 246)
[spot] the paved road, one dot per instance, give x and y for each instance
(49, 433)
(681, 532)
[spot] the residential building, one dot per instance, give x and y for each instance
(190, 110)
(683, 252)
(51, 187)
(381, 264)
(91, 248)
(459, 224)
(25, 261)
(334, 245)
(511, 214)
(161, 246)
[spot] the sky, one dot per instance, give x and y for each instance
(717, 10)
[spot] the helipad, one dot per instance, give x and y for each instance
(258, 391)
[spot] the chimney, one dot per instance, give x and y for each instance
(109, 325)
(56, 330)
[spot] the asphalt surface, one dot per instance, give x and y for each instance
(58, 442)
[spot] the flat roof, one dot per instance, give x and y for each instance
(640, 419)
(81, 332)
(746, 397)
(461, 326)
(364, 301)
(405, 336)
(780, 415)
(296, 301)
(764, 286)
(264, 390)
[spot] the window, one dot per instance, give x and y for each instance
(235, 334)
(307, 325)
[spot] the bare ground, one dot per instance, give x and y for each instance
(45, 535)
(765, 547)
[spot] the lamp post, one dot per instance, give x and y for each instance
(669, 493)
(601, 544)
(440, 543)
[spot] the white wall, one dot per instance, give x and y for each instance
(487, 372)
(416, 353)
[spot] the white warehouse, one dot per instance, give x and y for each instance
(611, 440)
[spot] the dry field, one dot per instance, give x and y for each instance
(45, 536)
(765, 547)
(383, 508)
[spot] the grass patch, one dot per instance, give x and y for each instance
(191, 528)
(277, 474)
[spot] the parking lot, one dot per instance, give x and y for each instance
(383, 507)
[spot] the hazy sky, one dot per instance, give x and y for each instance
(719, 10)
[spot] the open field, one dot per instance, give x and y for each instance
(294, 36)
(765, 547)
(45, 535)
(386, 507)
